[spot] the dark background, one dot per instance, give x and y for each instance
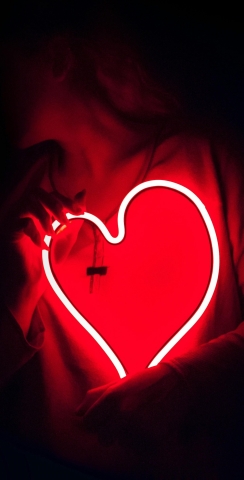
(199, 51)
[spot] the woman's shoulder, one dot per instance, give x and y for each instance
(219, 145)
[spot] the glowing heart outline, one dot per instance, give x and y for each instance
(115, 240)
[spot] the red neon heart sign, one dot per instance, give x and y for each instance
(116, 240)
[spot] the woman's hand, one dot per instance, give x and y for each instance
(155, 417)
(23, 279)
(143, 413)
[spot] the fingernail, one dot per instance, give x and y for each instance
(50, 230)
(60, 229)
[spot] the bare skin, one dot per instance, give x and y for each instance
(25, 227)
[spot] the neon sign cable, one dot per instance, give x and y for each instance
(115, 240)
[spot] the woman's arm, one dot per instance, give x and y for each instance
(23, 280)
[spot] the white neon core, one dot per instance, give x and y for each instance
(115, 240)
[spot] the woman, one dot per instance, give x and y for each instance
(101, 126)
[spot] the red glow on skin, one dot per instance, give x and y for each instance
(158, 277)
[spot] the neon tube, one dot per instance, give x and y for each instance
(115, 240)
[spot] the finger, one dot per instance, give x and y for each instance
(91, 397)
(39, 213)
(104, 410)
(38, 169)
(26, 226)
(65, 239)
(52, 204)
(76, 206)
(32, 232)
(63, 245)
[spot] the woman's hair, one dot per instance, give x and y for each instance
(105, 44)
